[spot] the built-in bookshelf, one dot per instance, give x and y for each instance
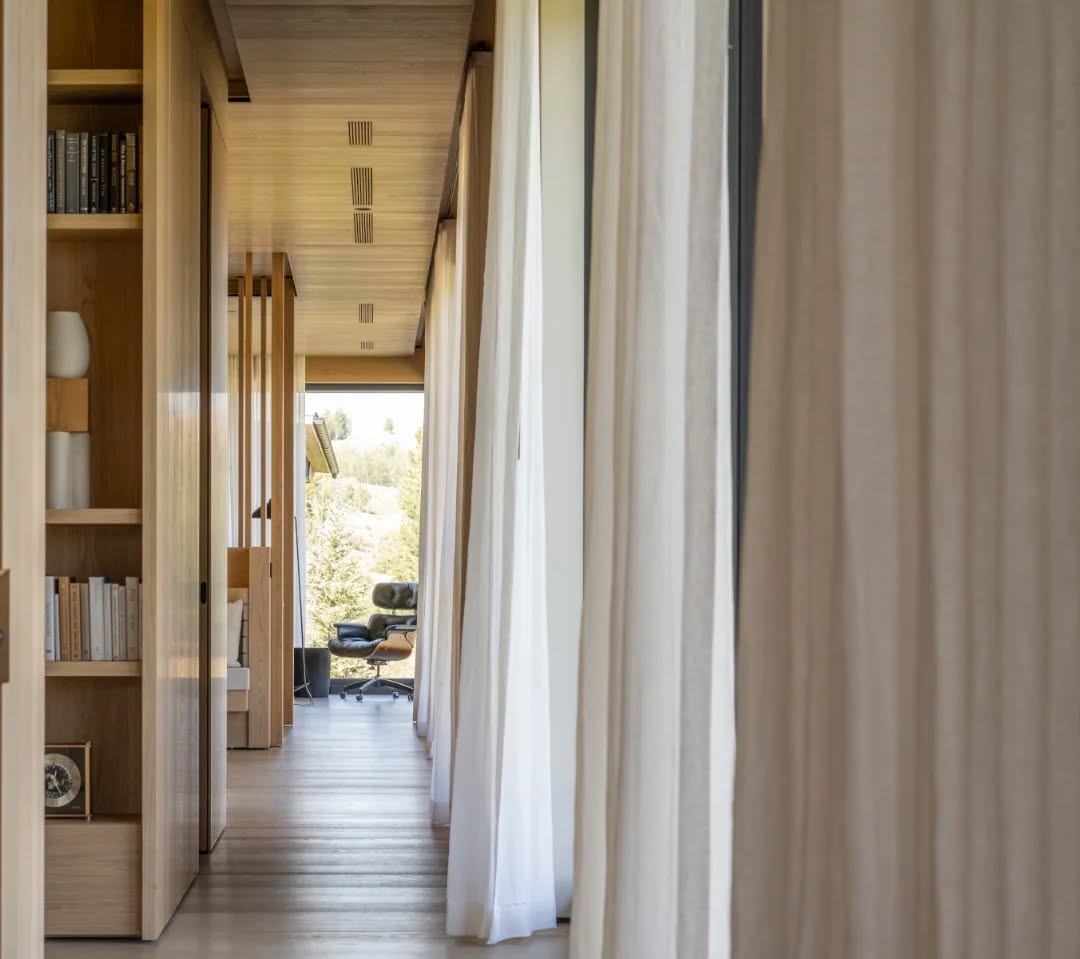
(95, 266)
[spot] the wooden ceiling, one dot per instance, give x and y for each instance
(311, 69)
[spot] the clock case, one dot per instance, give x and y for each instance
(79, 807)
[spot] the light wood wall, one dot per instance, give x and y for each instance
(172, 97)
(23, 32)
(365, 370)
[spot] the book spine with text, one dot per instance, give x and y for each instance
(132, 174)
(123, 173)
(114, 172)
(50, 171)
(131, 607)
(71, 174)
(103, 173)
(97, 619)
(75, 617)
(95, 174)
(65, 613)
(84, 172)
(59, 169)
(84, 615)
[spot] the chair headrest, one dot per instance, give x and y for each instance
(394, 595)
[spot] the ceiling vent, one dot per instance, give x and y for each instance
(361, 133)
(367, 312)
(367, 344)
(363, 226)
(363, 186)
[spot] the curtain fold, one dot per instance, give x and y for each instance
(500, 875)
(439, 518)
(909, 672)
(656, 726)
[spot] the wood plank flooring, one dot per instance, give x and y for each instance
(327, 853)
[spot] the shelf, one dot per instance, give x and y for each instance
(93, 517)
(99, 226)
(95, 86)
(92, 670)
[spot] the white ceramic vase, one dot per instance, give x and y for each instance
(67, 347)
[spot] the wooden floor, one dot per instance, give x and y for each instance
(328, 853)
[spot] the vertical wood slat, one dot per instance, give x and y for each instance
(244, 441)
(249, 399)
(264, 430)
(277, 495)
(288, 566)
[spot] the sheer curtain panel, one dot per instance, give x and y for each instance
(909, 650)
(439, 519)
(656, 727)
(500, 878)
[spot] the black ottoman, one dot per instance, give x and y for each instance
(318, 671)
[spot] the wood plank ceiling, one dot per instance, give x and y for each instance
(340, 157)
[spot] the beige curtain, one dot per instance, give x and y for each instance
(656, 710)
(908, 781)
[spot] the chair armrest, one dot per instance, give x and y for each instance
(407, 631)
(352, 630)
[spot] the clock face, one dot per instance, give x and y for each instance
(63, 781)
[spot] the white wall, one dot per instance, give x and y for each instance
(562, 145)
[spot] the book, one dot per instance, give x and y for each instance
(103, 172)
(107, 621)
(123, 172)
(50, 173)
(131, 587)
(132, 173)
(75, 619)
(59, 169)
(121, 621)
(139, 165)
(97, 618)
(50, 619)
(65, 613)
(84, 617)
(95, 174)
(71, 174)
(139, 647)
(114, 609)
(56, 623)
(114, 172)
(84, 172)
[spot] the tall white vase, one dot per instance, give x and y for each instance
(58, 494)
(80, 471)
(67, 346)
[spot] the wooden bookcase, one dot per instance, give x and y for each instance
(94, 264)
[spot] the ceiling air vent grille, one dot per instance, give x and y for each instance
(367, 312)
(364, 227)
(363, 186)
(361, 133)
(367, 344)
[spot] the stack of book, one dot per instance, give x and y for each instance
(96, 620)
(93, 172)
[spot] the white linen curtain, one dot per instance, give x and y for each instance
(442, 387)
(500, 876)
(909, 673)
(656, 727)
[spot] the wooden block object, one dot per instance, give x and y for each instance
(237, 701)
(93, 877)
(67, 405)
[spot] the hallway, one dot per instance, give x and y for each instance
(328, 853)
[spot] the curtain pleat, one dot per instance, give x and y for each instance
(500, 876)
(909, 672)
(656, 727)
(438, 537)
